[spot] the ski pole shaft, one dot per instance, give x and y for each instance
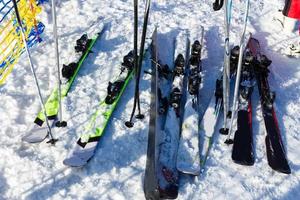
(226, 66)
(239, 69)
(135, 44)
(142, 47)
(31, 66)
(57, 58)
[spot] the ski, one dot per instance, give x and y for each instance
(188, 159)
(242, 150)
(274, 146)
(150, 179)
(160, 87)
(210, 118)
(168, 146)
(38, 132)
(86, 145)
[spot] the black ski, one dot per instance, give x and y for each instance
(150, 180)
(242, 151)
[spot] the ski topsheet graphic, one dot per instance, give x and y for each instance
(38, 132)
(168, 146)
(86, 145)
(188, 158)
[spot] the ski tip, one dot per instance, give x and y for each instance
(228, 141)
(192, 172)
(283, 169)
(286, 171)
(129, 124)
(188, 169)
(33, 138)
(74, 161)
(244, 162)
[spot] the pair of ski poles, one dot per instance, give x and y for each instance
(138, 59)
(60, 122)
(218, 4)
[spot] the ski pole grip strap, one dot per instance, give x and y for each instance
(218, 4)
(17, 12)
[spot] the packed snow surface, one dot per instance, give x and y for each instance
(36, 171)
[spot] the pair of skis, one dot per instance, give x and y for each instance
(86, 145)
(38, 132)
(161, 177)
(256, 65)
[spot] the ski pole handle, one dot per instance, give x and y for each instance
(218, 4)
(17, 13)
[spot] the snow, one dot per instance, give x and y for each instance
(36, 171)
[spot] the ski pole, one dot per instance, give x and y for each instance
(226, 67)
(52, 140)
(60, 122)
(238, 75)
(129, 123)
(140, 61)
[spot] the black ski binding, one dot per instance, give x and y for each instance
(179, 65)
(82, 43)
(164, 71)
(128, 62)
(194, 81)
(224, 131)
(219, 89)
(113, 91)
(234, 58)
(69, 70)
(163, 103)
(196, 48)
(268, 99)
(195, 54)
(175, 98)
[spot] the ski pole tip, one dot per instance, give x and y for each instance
(52, 141)
(129, 124)
(140, 116)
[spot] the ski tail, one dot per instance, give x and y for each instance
(275, 149)
(242, 151)
(150, 180)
